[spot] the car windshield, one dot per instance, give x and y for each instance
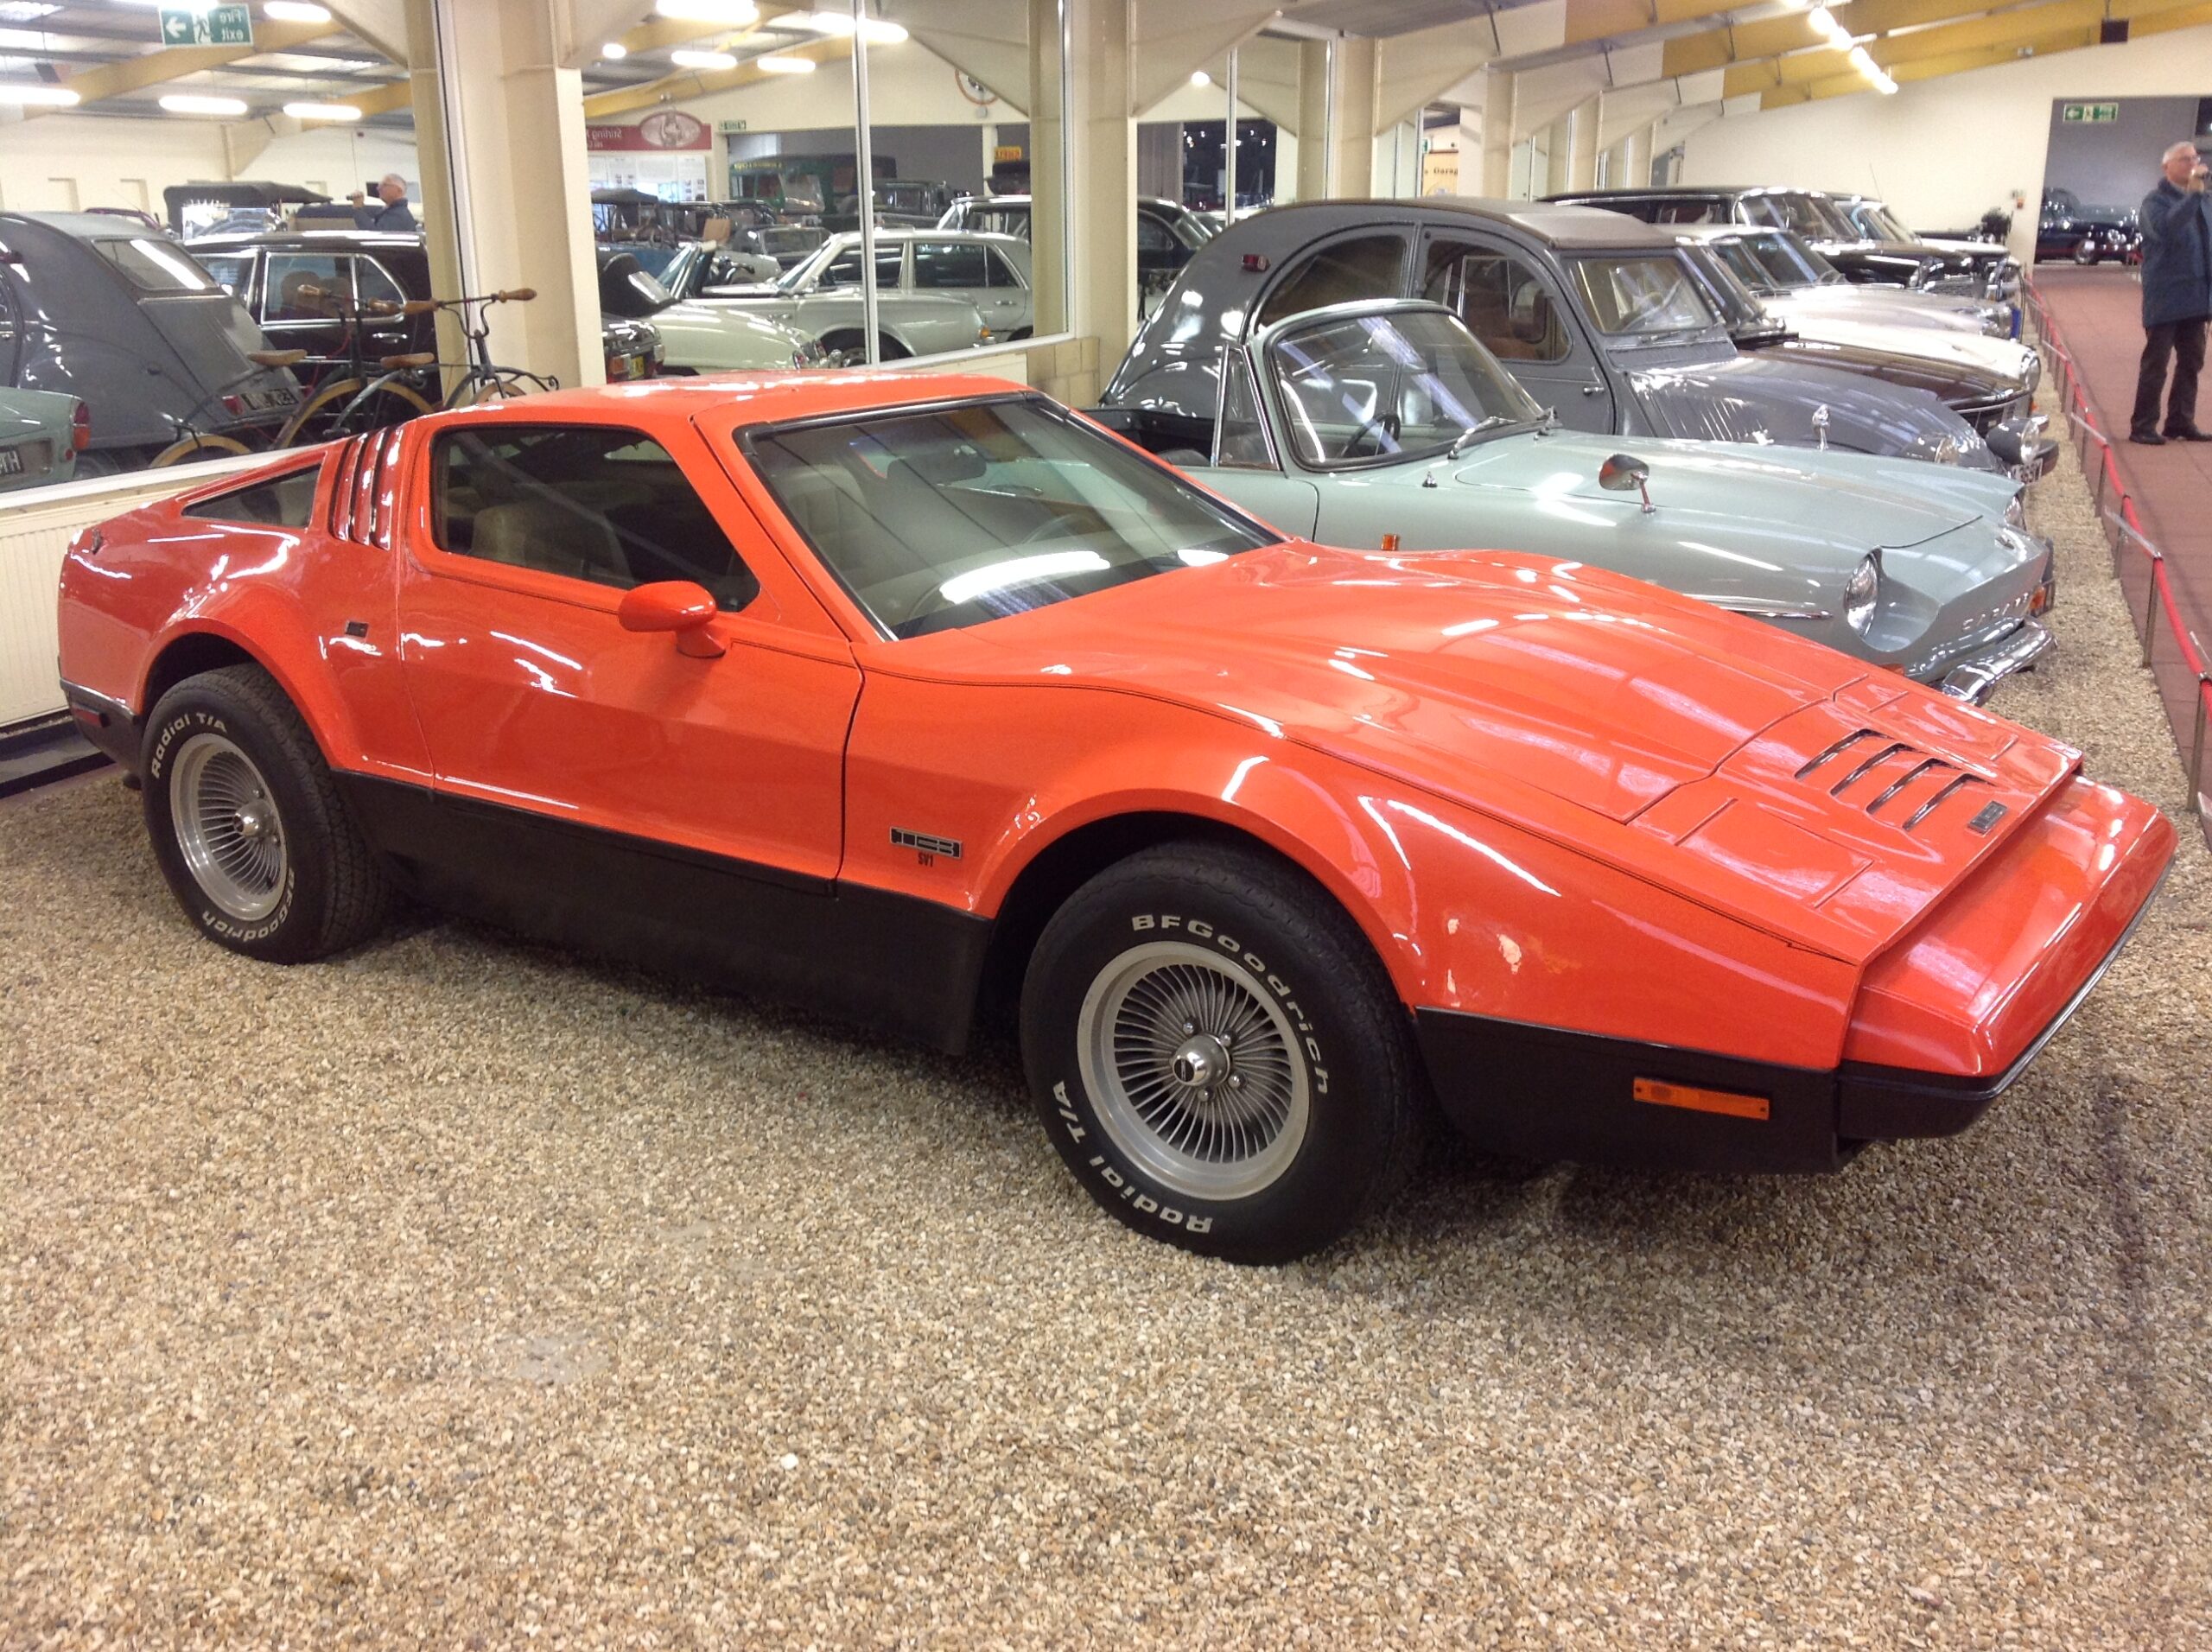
(942, 518)
(625, 290)
(1879, 223)
(998, 220)
(1738, 306)
(1788, 262)
(1734, 252)
(1806, 214)
(660, 260)
(1391, 387)
(1641, 296)
(154, 266)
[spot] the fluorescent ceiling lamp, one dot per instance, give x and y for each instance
(874, 30)
(322, 111)
(615, 51)
(19, 11)
(188, 103)
(732, 14)
(785, 63)
(691, 60)
(1200, 77)
(1863, 63)
(1883, 84)
(294, 11)
(50, 97)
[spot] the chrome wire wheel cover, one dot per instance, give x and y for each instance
(1197, 1077)
(227, 827)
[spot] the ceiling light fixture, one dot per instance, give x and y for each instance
(691, 60)
(294, 11)
(1200, 77)
(615, 51)
(323, 110)
(874, 30)
(785, 63)
(49, 97)
(191, 103)
(731, 13)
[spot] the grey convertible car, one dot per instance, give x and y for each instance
(1599, 317)
(1387, 424)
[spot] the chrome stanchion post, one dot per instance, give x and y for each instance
(2151, 604)
(2196, 748)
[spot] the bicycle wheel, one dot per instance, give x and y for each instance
(331, 410)
(184, 450)
(500, 385)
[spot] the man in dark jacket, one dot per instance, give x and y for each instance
(391, 211)
(2177, 221)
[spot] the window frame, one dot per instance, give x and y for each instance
(314, 467)
(1409, 231)
(1558, 293)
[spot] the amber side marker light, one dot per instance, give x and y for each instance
(1700, 1101)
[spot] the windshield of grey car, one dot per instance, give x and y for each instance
(1641, 296)
(1789, 261)
(947, 517)
(1390, 387)
(154, 266)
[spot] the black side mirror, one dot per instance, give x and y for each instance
(1623, 472)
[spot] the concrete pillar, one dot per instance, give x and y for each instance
(1316, 117)
(1497, 133)
(1557, 147)
(1102, 213)
(1048, 139)
(1635, 160)
(1336, 152)
(1582, 146)
(506, 185)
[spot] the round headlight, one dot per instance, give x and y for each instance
(2015, 513)
(1863, 591)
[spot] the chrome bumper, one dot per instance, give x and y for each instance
(1972, 679)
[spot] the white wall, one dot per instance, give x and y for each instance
(59, 162)
(1943, 152)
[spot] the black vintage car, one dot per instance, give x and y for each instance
(288, 281)
(104, 309)
(2070, 229)
(1812, 215)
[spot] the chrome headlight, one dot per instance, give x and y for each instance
(1861, 593)
(2015, 513)
(2035, 369)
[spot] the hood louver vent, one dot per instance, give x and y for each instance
(1886, 771)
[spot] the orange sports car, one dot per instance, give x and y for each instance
(909, 698)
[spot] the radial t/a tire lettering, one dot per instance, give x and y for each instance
(251, 834)
(1218, 1056)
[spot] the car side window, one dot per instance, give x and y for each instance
(304, 286)
(231, 270)
(1505, 301)
(1361, 266)
(1240, 442)
(590, 502)
(845, 269)
(1153, 236)
(286, 502)
(373, 283)
(949, 263)
(1001, 273)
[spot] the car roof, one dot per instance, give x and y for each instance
(87, 227)
(1571, 228)
(758, 398)
(294, 239)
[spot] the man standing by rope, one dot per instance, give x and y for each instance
(2177, 221)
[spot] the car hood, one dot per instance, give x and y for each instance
(691, 317)
(1726, 488)
(1508, 684)
(1768, 398)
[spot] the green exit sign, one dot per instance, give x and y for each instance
(206, 25)
(2091, 114)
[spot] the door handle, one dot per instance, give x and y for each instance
(1593, 390)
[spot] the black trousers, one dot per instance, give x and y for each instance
(2184, 342)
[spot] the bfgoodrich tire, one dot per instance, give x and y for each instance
(1217, 1055)
(251, 835)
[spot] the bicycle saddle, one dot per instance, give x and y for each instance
(276, 357)
(402, 363)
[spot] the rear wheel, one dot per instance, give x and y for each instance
(251, 833)
(187, 450)
(332, 411)
(1217, 1055)
(2085, 249)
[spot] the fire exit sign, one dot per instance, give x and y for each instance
(206, 25)
(2091, 114)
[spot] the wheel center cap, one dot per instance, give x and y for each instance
(1201, 1062)
(251, 825)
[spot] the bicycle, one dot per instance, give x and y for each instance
(482, 380)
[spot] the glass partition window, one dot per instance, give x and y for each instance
(945, 518)
(1378, 388)
(1641, 297)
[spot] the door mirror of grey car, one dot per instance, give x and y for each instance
(1625, 474)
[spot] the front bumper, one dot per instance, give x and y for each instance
(1974, 678)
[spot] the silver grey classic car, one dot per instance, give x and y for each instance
(1598, 315)
(1388, 424)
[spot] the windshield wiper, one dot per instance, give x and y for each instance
(1461, 443)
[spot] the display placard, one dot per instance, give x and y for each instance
(2091, 114)
(206, 25)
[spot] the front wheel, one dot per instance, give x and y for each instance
(2085, 249)
(500, 385)
(1217, 1055)
(251, 833)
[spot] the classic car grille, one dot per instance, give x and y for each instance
(1985, 415)
(1890, 773)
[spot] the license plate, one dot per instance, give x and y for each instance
(262, 401)
(11, 462)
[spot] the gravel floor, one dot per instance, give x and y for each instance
(467, 1292)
